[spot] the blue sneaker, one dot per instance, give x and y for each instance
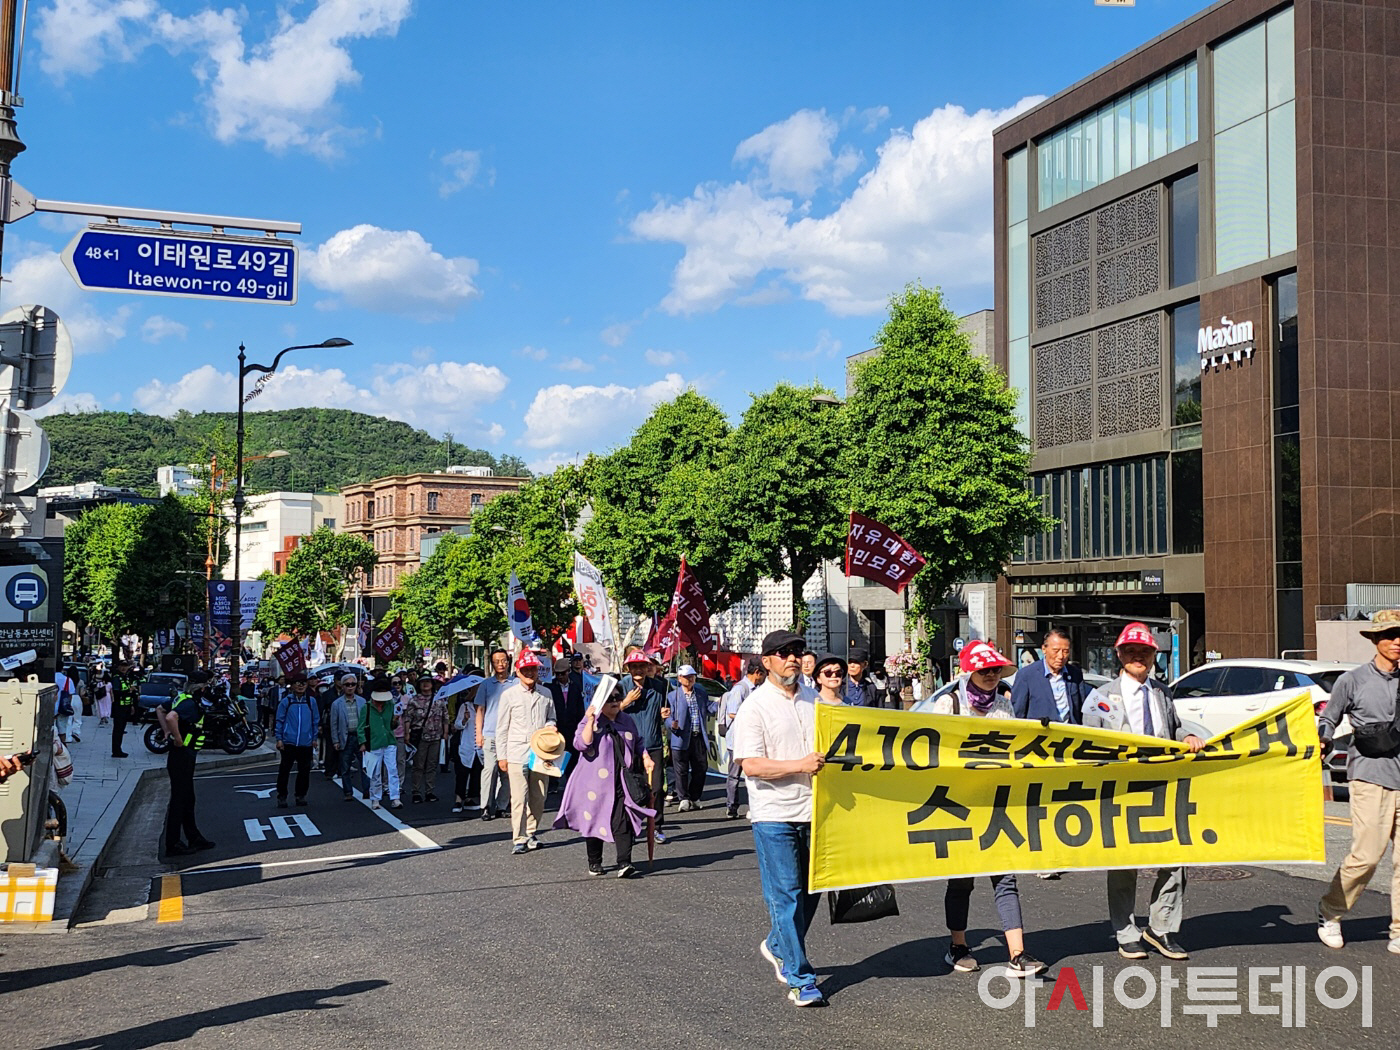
(661, 837)
(767, 953)
(808, 996)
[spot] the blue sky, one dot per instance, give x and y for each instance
(533, 220)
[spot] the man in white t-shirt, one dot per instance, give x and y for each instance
(774, 737)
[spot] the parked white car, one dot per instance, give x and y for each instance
(1222, 694)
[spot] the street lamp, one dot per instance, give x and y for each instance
(236, 598)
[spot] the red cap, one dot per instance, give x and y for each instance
(638, 657)
(1136, 634)
(526, 659)
(979, 656)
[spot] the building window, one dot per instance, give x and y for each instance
(1134, 129)
(1188, 518)
(369, 510)
(477, 501)
(1018, 295)
(1182, 200)
(328, 523)
(432, 502)
(1185, 323)
(1255, 145)
(1109, 510)
(1288, 479)
(255, 526)
(411, 500)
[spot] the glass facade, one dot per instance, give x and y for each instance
(1018, 285)
(1125, 133)
(1255, 144)
(1183, 200)
(1288, 480)
(1108, 510)
(1184, 322)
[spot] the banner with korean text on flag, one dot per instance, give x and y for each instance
(593, 597)
(364, 634)
(290, 658)
(880, 554)
(391, 641)
(689, 615)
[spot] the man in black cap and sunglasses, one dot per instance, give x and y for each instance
(774, 738)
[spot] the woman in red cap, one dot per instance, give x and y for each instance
(980, 693)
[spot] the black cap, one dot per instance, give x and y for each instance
(775, 640)
(859, 655)
(829, 658)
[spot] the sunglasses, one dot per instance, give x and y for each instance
(789, 650)
(832, 673)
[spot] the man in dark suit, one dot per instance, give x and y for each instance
(1052, 687)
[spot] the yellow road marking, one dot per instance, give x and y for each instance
(1343, 821)
(172, 902)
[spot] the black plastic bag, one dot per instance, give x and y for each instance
(863, 904)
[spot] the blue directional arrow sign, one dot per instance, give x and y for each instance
(154, 262)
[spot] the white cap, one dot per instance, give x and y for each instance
(685, 669)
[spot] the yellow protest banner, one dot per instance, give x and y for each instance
(905, 797)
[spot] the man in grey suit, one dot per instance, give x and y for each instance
(1134, 703)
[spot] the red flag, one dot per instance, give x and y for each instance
(689, 615)
(877, 553)
(290, 658)
(391, 641)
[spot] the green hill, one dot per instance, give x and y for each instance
(330, 447)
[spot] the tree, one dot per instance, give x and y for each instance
(783, 485)
(310, 595)
(421, 599)
(120, 560)
(656, 500)
(935, 453)
(528, 532)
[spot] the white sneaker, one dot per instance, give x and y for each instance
(777, 963)
(374, 803)
(1394, 946)
(1329, 932)
(685, 806)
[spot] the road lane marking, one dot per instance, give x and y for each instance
(281, 827)
(311, 860)
(412, 834)
(172, 901)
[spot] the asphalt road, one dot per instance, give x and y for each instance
(372, 933)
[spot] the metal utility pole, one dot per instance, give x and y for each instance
(10, 144)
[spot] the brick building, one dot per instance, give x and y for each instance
(397, 513)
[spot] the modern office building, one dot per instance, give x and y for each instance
(273, 525)
(1197, 266)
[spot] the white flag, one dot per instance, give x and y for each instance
(518, 612)
(593, 596)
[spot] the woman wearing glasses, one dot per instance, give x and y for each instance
(980, 693)
(829, 672)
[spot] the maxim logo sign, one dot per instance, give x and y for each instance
(1233, 341)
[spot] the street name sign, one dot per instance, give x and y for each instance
(185, 265)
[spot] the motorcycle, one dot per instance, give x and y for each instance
(224, 727)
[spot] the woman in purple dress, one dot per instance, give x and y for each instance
(597, 802)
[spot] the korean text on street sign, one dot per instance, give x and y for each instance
(190, 266)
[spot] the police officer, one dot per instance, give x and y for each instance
(184, 727)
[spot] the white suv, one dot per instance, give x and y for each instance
(1222, 694)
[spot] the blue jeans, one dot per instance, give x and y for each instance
(782, 849)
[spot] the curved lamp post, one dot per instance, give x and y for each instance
(236, 598)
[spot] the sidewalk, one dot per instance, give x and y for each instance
(97, 800)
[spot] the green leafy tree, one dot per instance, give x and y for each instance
(120, 560)
(657, 499)
(421, 599)
(935, 453)
(531, 533)
(782, 484)
(310, 595)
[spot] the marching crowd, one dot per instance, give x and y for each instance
(529, 726)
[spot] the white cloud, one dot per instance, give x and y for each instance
(437, 397)
(567, 418)
(460, 169)
(40, 278)
(75, 402)
(534, 353)
(794, 155)
(156, 328)
(923, 212)
(663, 358)
(826, 347)
(616, 334)
(280, 92)
(574, 364)
(391, 271)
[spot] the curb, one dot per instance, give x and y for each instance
(73, 887)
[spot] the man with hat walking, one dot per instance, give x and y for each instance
(524, 708)
(690, 747)
(378, 743)
(775, 741)
(645, 701)
(1367, 696)
(1138, 704)
(297, 726)
(860, 690)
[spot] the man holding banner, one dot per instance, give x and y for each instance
(1134, 703)
(773, 736)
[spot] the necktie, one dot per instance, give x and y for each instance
(1147, 728)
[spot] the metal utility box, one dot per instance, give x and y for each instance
(26, 723)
